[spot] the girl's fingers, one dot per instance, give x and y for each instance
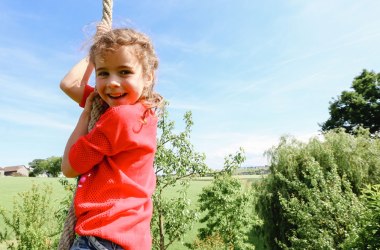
(90, 100)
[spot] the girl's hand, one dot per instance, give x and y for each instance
(75, 81)
(85, 117)
(89, 102)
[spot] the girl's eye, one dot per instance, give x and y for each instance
(125, 72)
(102, 73)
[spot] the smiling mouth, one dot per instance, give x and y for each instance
(117, 96)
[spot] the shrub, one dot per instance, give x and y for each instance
(213, 242)
(65, 203)
(32, 221)
(309, 200)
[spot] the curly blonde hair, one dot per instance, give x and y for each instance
(112, 40)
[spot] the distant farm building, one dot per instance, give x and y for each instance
(20, 170)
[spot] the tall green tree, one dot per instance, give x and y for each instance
(358, 107)
(176, 163)
(37, 167)
(50, 166)
(310, 198)
(227, 207)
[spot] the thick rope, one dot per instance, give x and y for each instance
(107, 12)
(68, 233)
(98, 108)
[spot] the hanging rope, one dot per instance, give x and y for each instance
(98, 108)
(107, 12)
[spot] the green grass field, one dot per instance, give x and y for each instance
(11, 186)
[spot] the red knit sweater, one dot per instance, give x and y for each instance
(115, 160)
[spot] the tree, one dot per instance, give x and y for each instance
(50, 166)
(360, 107)
(368, 236)
(37, 167)
(357, 157)
(176, 163)
(310, 198)
(228, 208)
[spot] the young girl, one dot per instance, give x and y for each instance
(115, 159)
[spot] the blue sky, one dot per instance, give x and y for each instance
(250, 71)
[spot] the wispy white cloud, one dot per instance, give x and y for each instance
(9, 17)
(14, 55)
(177, 105)
(193, 47)
(32, 118)
(36, 109)
(170, 70)
(217, 146)
(237, 65)
(23, 92)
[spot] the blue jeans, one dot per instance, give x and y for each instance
(93, 243)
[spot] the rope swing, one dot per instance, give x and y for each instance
(98, 108)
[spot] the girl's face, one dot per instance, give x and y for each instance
(119, 77)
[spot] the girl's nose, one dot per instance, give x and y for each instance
(113, 83)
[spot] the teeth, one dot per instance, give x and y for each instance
(116, 95)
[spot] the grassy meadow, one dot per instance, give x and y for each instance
(11, 186)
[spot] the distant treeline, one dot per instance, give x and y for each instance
(262, 170)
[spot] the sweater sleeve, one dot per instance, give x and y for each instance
(87, 91)
(119, 129)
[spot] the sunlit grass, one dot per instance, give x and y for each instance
(11, 186)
